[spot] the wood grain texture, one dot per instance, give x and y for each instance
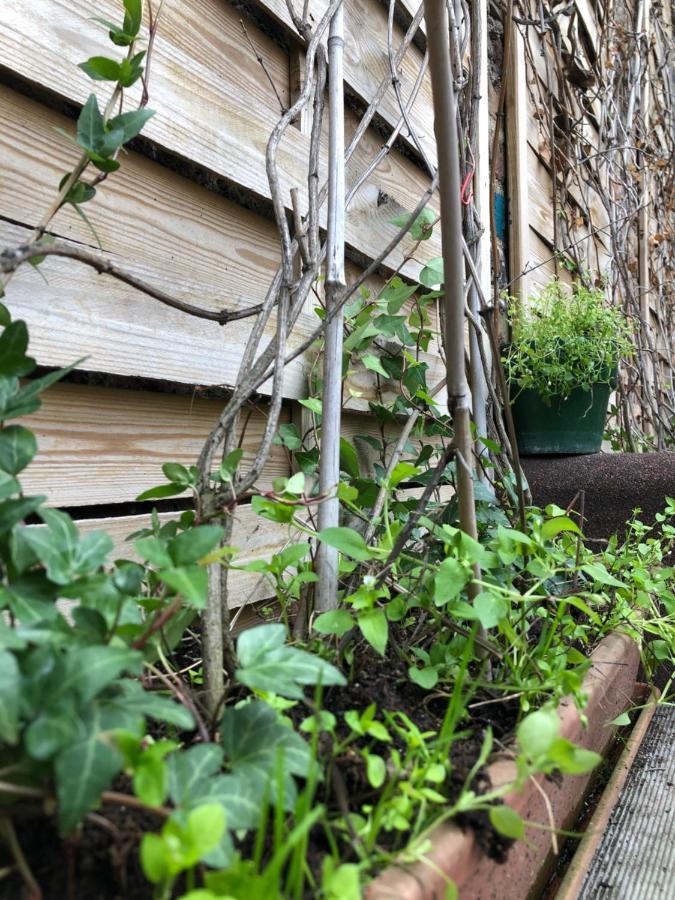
(213, 103)
(102, 445)
(258, 539)
(367, 62)
(165, 229)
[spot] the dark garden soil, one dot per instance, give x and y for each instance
(614, 485)
(101, 862)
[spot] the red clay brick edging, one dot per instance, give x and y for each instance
(609, 685)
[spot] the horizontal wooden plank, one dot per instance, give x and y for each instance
(366, 62)
(257, 538)
(104, 445)
(212, 104)
(174, 234)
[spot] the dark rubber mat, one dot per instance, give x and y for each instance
(636, 857)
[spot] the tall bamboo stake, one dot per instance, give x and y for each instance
(445, 129)
(329, 464)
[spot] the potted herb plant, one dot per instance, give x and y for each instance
(561, 367)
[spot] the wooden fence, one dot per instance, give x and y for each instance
(189, 211)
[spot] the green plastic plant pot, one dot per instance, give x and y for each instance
(565, 426)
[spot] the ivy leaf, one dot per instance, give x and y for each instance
(10, 697)
(188, 769)
(396, 293)
(17, 448)
(373, 363)
(313, 404)
(130, 124)
(272, 510)
(431, 275)
(83, 771)
(90, 126)
(254, 739)
(555, 526)
(268, 664)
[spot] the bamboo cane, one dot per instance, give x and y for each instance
(329, 464)
(445, 129)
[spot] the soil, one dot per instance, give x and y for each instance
(614, 484)
(101, 862)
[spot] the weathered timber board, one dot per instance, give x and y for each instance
(213, 103)
(256, 537)
(100, 445)
(366, 62)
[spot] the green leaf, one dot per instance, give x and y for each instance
(426, 678)
(375, 628)
(376, 770)
(154, 550)
(420, 229)
(347, 541)
(507, 822)
(296, 484)
(288, 436)
(555, 526)
(101, 68)
(600, 575)
(13, 511)
(192, 545)
(17, 448)
(162, 490)
(402, 471)
(10, 697)
(620, 720)
(83, 771)
(490, 609)
(91, 669)
(13, 346)
(187, 770)
(177, 473)
(230, 464)
(272, 510)
(268, 664)
(450, 578)
(431, 275)
(538, 732)
(313, 404)
(373, 363)
(349, 461)
(133, 18)
(253, 739)
(130, 124)
(90, 126)
(396, 293)
(337, 621)
(191, 582)
(25, 401)
(50, 733)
